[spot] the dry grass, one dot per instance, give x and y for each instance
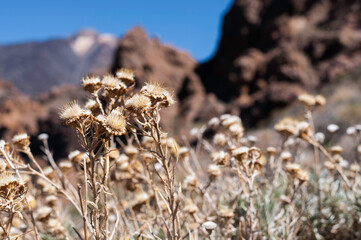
(132, 180)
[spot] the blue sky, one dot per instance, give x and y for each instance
(191, 25)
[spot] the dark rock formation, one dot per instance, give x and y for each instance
(272, 50)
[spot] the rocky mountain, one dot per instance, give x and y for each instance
(35, 67)
(270, 51)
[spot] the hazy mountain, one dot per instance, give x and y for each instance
(35, 67)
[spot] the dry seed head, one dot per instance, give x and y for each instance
(113, 86)
(303, 176)
(359, 149)
(43, 213)
(351, 131)
(22, 140)
(131, 151)
(332, 128)
(303, 128)
(271, 151)
(229, 121)
(209, 226)
(337, 149)
(138, 104)
(190, 207)
(116, 123)
(287, 126)
(72, 112)
(329, 165)
(226, 213)
(183, 152)
(320, 137)
(236, 130)
(51, 200)
(65, 165)
(220, 158)
(219, 139)
(255, 153)
(11, 187)
(214, 122)
(320, 100)
(286, 156)
(140, 199)
(91, 84)
(293, 168)
(125, 75)
(240, 153)
(43, 136)
(307, 99)
(355, 167)
(157, 94)
(214, 170)
(190, 181)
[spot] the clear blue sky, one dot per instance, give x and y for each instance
(191, 25)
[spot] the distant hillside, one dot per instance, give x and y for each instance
(35, 67)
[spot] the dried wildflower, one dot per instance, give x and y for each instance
(125, 75)
(252, 139)
(286, 156)
(320, 137)
(230, 120)
(285, 199)
(332, 128)
(43, 136)
(307, 99)
(113, 86)
(214, 122)
(355, 167)
(157, 94)
(209, 226)
(116, 123)
(76, 156)
(148, 157)
(138, 104)
(220, 158)
(22, 140)
(254, 153)
(287, 126)
(190, 207)
(51, 200)
(214, 170)
(226, 213)
(65, 165)
(11, 187)
(32, 201)
(303, 176)
(236, 130)
(183, 152)
(351, 131)
(320, 100)
(359, 149)
(271, 150)
(43, 213)
(93, 106)
(329, 165)
(240, 153)
(219, 139)
(91, 84)
(131, 151)
(293, 168)
(190, 181)
(337, 149)
(72, 113)
(303, 128)
(139, 200)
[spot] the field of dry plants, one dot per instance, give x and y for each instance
(131, 180)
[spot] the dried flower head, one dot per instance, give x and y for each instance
(337, 149)
(91, 84)
(307, 99)
(214, 122)
(138, 104)
(240, 153)
(214, 170)
(320, 100)
(131, 151)
(220, 158)
(125, 75)
(43, 136)
(287, 126)
(190, 207)
(116, 123)
(286, 156)
(329, 165)
(271, 150)
(209, 226)
(157, 94)
(43, 213)
(190, 181)
(72, 113)
(113, 86)
(11, 186)
(220, 139)
(22, 140)
(332, 128)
